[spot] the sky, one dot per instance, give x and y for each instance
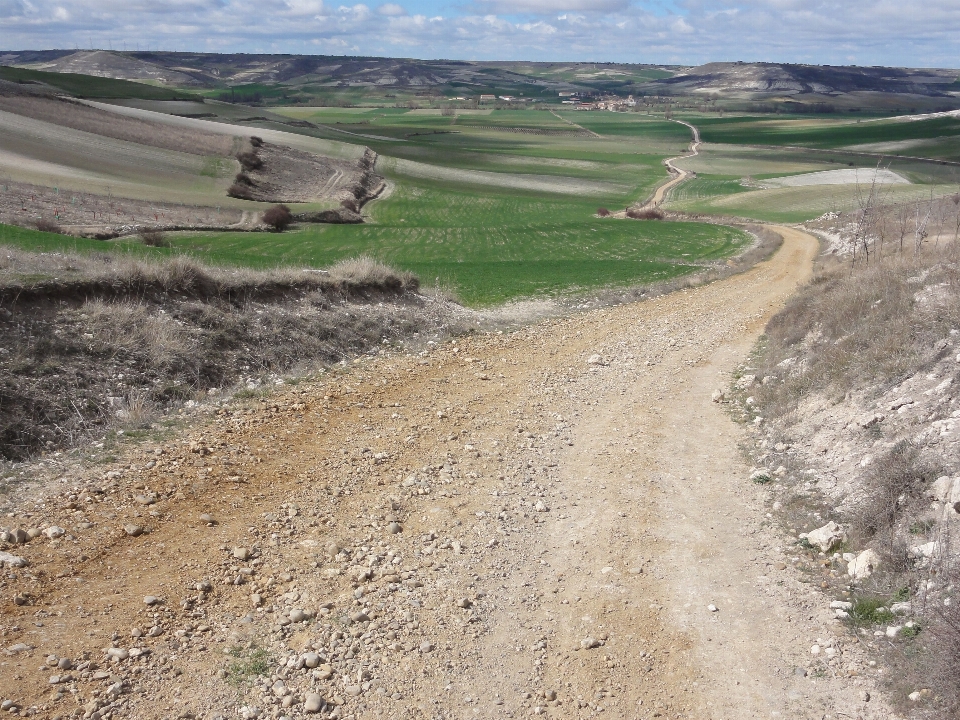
(685, 32)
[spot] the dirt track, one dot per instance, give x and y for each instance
(547, 503)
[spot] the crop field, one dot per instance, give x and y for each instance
(935, 137)
(489, 247)
(88, 86)
(44, 153)
(492, 215)
(789, 204)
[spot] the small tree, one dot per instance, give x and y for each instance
(603, 212)
(278, 217)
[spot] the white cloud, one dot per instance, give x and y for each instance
(550, 7)
(890, 32)
(392, 10)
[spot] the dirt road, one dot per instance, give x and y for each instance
(677, 174)
(531, 523)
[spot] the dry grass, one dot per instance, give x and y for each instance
(858, 334)
(26, 276)
(99, 341)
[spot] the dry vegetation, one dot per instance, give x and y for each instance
(89, 342)
(855, 338)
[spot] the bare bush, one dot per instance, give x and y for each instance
(278, 217)
(240, 191)
(350, 204)
(645, 213)
(256, 141)
(48, 225)
(603, 212)
(249, 160)
(892, 489)
(153, 237)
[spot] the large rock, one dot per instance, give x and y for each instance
(945, 489)
(828, 537)
(12, 560)
(863, 565)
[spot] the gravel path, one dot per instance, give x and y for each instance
(552, 522)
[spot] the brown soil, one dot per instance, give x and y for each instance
(102, 217)
(81, 116)
(566, 522)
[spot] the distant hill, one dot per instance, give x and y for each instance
(224, 70)
(258, 79)
(788, 79)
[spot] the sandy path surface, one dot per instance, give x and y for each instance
(502, 526)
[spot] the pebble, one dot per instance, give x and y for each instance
(241, 553)
(298, 615)
(53, 532)
(118, 653)
(311, 660)
(426, 646)
(208, 519)
(353, 690)
(312, 703)
(394, 528)
(359, 617)
(133, 530)
(464, 603)
(713, 608)
(589, 643)
(150, 599)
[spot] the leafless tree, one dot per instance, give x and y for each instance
(902, 216)
(920, 231)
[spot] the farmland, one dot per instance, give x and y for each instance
(490, 204)
(777, 170)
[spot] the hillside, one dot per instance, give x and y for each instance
(789, 79)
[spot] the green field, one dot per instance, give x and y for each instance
(739, 153)
(88, 86)
(491, 214)
(935, 137)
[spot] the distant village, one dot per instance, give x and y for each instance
(571, 98)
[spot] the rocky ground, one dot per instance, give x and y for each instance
(554, 521)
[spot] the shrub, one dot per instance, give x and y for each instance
(256, 141)
(278, 217)
(47, 225)
(249, 160)
(243, 192)
(243, 179)
(153, 237)
(349, 204)
(645, 213)
(603, 212)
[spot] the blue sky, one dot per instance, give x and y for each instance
(865, 32)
